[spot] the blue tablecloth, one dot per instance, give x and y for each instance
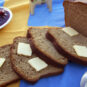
(73, 72)
(43, 17)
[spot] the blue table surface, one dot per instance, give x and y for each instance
(73, 72)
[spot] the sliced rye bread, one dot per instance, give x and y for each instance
(64, 44)
(24, 69)
(44, 48)
(7, 74)
(76, 15)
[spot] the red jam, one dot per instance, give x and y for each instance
(4, 16)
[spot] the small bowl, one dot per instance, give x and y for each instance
(9, 19)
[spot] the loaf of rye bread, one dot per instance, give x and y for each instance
(24, 69)
(43, 47)
(76, 15)
(7, 74)
(64, 44)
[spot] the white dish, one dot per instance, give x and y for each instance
(10, 17)
(83, 82)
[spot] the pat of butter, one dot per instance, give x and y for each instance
(37, 63)
(24, 49)
(80, 50)
(70, 31)
(2, 60)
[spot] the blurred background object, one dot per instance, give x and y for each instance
(36, 2)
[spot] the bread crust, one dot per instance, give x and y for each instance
(73, 58)
(76, 2)
(9, 82)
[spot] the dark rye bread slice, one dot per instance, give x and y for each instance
(76, 15)
(64, 44)
(23, 68)
(44, 48)
(7, 74)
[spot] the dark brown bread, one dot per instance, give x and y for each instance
(7, 75)
(22, 67)
(80, 1)
(44, 48)
(76, 15)
(64, 44)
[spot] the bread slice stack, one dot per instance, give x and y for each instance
(18, 60)
(44, 52)
(70, 44)
(23, 64)
(44, 48)
(7, 74)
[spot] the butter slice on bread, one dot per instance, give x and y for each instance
(24, 49)
(2, 60)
